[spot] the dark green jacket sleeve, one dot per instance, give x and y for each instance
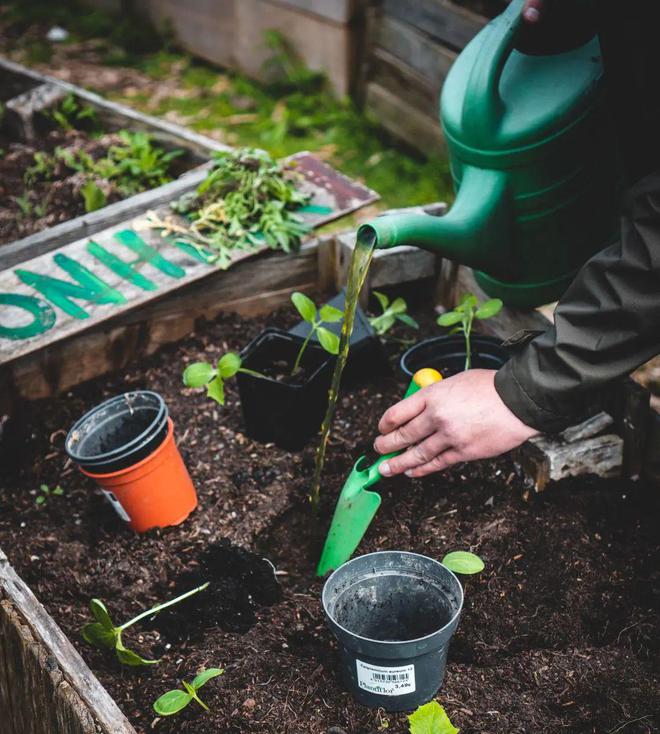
(606, 325)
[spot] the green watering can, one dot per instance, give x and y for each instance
(533, 164)
(357, 506)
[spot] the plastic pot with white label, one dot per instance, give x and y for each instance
(393, 614)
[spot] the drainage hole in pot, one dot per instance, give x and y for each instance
(393, 608)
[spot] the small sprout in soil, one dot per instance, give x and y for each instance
(431, 718)
(463, 562)
(203, 374)
(391, 313)
(174, 701)
(103, 634)
(247, 200)
(463, 315)
(93, 196)
(71, 115)
(326, 315)
(47, 492)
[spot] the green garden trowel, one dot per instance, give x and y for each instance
(356, 505)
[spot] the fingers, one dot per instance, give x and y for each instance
(409, 433)
(532, 10)
(419, 455)
(402, 412)
(438, 463)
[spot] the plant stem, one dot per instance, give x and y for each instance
(467, 330)
(159, 607)
(199, 701)
(254, 373)
(296, 364)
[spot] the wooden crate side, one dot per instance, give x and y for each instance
(440, 19)
(45, 685)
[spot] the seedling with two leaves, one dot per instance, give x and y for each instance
(464, 314)
(176, 700)
(47, 492)
(103, 634)
(316, 318)
(391, 313)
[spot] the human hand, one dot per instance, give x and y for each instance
(458, 419)
(532, 10)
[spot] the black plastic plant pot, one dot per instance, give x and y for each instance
(393, 614)
(287, 413)
(119, 432)
(447, 354)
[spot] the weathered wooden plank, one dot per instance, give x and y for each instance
(19, 112)
(587, 429)
(548, 459)
(339, 11)
(413, 127)
(160, 268)
(441, 19)
(52, 688)
(431, 60)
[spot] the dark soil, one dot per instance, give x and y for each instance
(559, 634)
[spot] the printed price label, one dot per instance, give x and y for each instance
(117, 505)
(386, 681)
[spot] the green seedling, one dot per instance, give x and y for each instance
(70, 114)
(246, 201)
(203, 374)
(174, 701)
(391, 313)
(326, 315)
(463, 562)
(103, 634)
(462, 317)
(24, 204)
(431, 718)
(47, 492)
(93, 196)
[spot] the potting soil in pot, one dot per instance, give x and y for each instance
(559, 633)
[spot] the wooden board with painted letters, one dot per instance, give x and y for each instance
(70, 290)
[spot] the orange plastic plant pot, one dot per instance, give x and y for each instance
(155, 492)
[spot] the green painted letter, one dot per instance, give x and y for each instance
(145, 254)
(89, 288)
(42, 313)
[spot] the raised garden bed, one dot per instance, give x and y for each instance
(558, 633)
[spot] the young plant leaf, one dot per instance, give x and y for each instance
(198, 374)
(229, 364)
(93, 196)
(305, 306)
(328, 340)
(450, 318)
(205, 676)
(431, 718)
(382, 299)
(40, 499)
(398, 306)
(330, 314)
(468, 301)
(100, 614)
(463, 562)
(128, 657)
(407, 320)
(216, 390)
(58, 491)
(171, 703)
(95, 634)
(489, 308)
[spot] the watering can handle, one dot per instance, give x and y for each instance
(482, 105)
(421, 378)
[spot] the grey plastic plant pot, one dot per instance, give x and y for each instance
(393, 614)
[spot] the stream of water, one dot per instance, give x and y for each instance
(357, 273)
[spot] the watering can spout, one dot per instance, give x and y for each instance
(475, 232)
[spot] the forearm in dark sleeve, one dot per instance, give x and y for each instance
(606, 325)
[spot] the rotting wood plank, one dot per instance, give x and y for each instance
(51, 688)
(441, 19)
